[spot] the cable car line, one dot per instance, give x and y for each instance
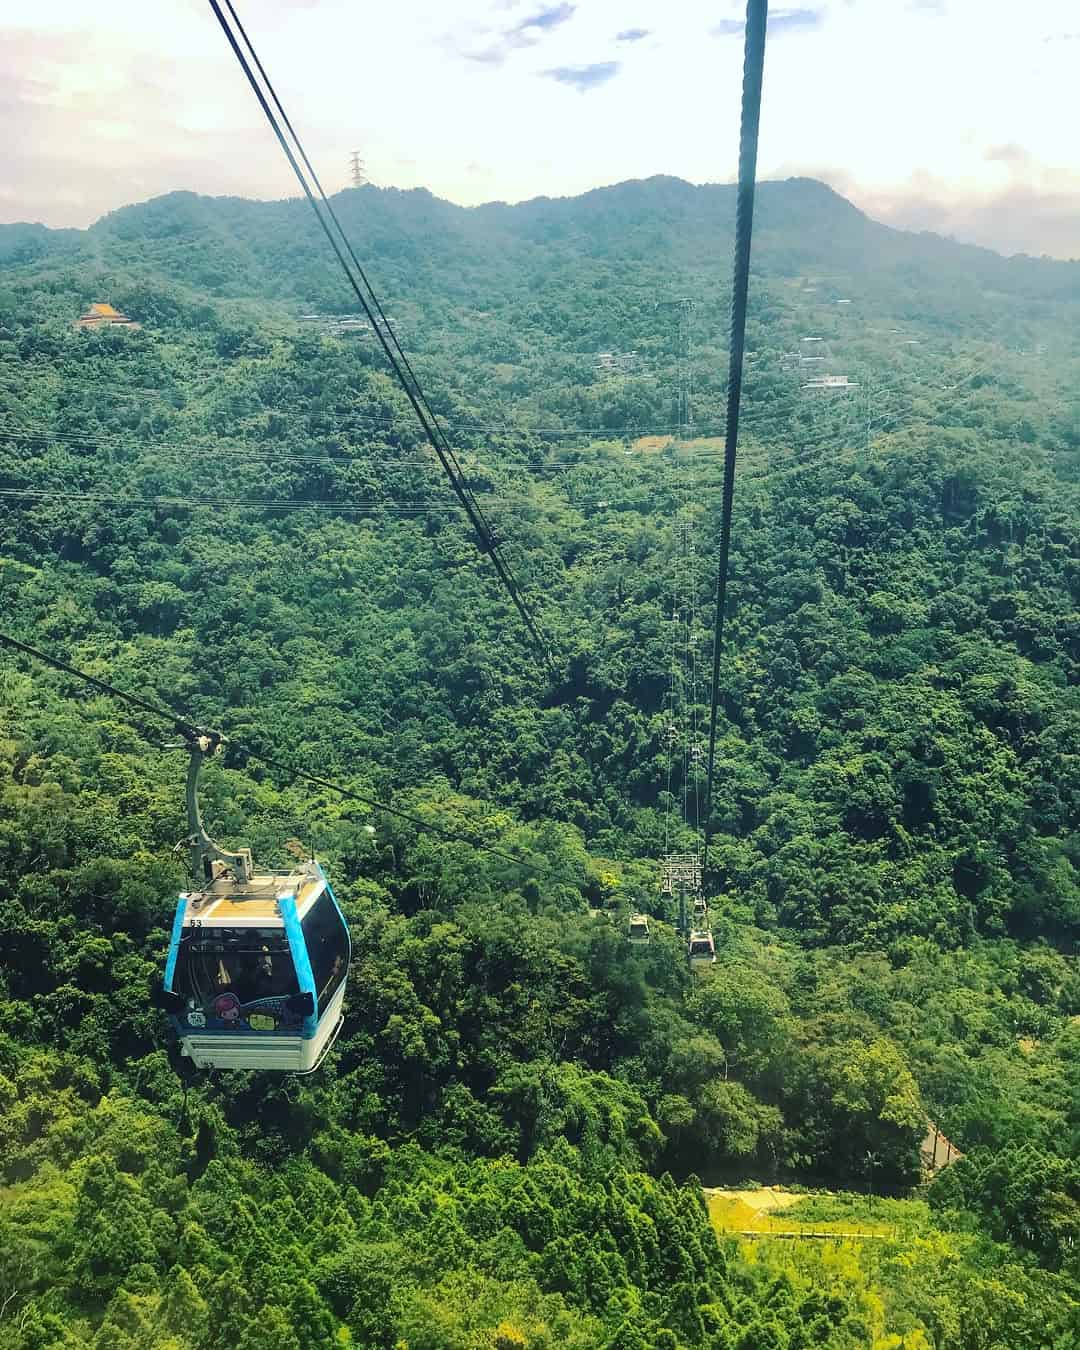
(383, 331)
(777, 468)
(686, 872)
(37, 432)
(184, 724)
(703, 431)
(253, 450)
(750, 120)
(350, 421)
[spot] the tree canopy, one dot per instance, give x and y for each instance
(230, 509)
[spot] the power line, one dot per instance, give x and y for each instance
(774, 465)
(323, 505)
(753, 69)
(185, 724)
(364, 419)
(546, 475)
(374, 418)
(369, 301)
(36, 431)
(685, 458)
(795, 462)
(254, 454)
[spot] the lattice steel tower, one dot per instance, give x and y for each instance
(684, 373)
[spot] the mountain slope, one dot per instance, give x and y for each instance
(682, 232)
(231, 508)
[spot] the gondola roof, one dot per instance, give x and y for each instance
(226, 903)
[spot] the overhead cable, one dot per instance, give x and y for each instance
(750, 120)
(357, 278)
(186, 725)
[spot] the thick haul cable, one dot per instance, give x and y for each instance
(380, 324)
(183, 723)
(753, 69)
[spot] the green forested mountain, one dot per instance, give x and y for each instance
(230, 508)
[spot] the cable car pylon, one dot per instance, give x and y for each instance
(682, 874)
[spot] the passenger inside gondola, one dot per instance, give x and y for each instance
(253, 964)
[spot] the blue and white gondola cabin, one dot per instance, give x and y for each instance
(257, 972)
(257, 963)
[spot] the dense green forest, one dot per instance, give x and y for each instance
(229, 508)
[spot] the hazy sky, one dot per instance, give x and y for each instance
(954, 115)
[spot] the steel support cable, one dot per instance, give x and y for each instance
(695, 748)
(187, 726)
(780, 468)
(384, 333)
(688, 687)
(671, 732)
(391, 336)
(749, 126)
(433, 428)
(40, 433)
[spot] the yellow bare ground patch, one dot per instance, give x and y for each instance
(733, 1216)
(761, 1211)
(704, 443)
(747, 1211)
(767, 1199)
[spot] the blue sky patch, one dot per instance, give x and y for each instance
(584, 78)
(547, 18)
(791, 20)
(780, 21)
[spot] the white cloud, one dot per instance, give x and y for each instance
(888, 98)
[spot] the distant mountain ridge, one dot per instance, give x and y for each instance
(230, 246)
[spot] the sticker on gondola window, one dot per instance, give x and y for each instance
(196, 1017)
(227, 1007)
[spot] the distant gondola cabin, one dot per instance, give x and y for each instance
(701, 949)
(639, 929)
(255, 976)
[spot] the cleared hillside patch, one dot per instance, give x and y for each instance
(774, 1211)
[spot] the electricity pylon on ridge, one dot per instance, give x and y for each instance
(357, 169)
